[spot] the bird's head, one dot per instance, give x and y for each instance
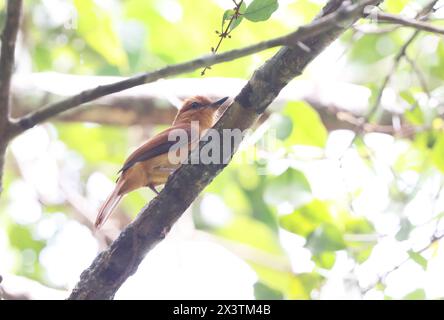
(200, 109)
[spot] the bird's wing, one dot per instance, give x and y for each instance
(156, 146)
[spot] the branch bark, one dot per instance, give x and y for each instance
(407, 22)
(8, 38)
(112, 267)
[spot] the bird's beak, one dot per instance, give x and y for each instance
(218, 103)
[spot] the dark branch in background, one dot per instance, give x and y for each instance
(302, 33)
(8, 37)
(112, 267)
(402, 52)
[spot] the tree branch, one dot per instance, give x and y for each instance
(302, 33)
(408, 22)
(8, 38)
(112, 267)
(424, 14)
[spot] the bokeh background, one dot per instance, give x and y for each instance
(325, 211)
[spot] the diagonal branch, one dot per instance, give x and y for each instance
(112, 267)
(8, 37)
(302, 33)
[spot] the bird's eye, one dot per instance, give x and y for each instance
(195, 105)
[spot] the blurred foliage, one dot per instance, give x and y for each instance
(261, 210)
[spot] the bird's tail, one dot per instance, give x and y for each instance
(109, 205)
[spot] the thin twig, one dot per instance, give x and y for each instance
(388, 77)
(304, 32)
(225, 33)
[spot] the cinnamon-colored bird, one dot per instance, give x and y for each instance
(150, 165)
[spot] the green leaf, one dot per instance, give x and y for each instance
(327, 237)
(418, 294)
(358, 226)
(103, 143)
(363, 253)
(437, 66)
(290, 187)
(395, 6)
(293, 287)
(306, 219)
(282, 124)
(259, 235)
(96, 27)
(284, 282)
(308, 128)
(325, 260)
(415, 116)
(21, 237)
(438, 152)
(408, 97)
(260, 10)
(228, 14)
(404, 231)
(411, 159)
(264, 292)
(365, 48)
(418, 258)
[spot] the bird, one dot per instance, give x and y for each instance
(149, 165)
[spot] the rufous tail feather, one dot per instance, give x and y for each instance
(108, 206)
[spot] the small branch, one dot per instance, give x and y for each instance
(359, 124)
(8, 38)
(316, 28)
(112, 267)
(421, 78)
